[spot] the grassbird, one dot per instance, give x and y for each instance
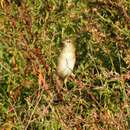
(66, 60)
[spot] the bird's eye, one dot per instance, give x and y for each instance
(68, 41)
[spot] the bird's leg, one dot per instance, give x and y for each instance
(65, 82)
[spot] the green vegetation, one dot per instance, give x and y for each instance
(31, 33)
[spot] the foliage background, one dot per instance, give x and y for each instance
(31, 33)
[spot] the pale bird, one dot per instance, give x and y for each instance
(66, 60)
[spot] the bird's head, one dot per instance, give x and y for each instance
(67, 42)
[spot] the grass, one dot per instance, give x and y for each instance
(31, 32)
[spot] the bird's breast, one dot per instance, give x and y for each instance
(66, 62)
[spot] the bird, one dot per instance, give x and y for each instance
(66, 60)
